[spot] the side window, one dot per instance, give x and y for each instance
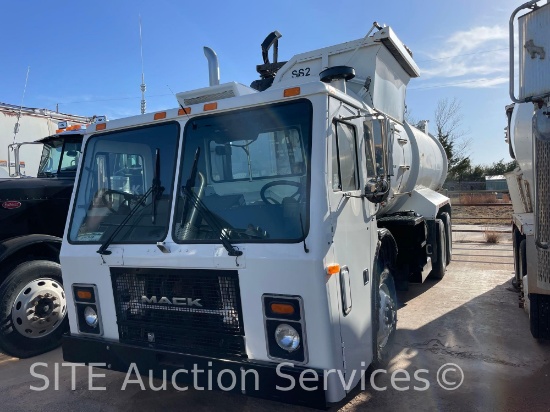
(70, 156)
(344, 158)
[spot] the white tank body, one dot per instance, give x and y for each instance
(418, 161)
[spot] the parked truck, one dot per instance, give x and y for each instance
(33, 212)
(528, 136)
(20, 124)
(258, 233)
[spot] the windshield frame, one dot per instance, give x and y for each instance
(306, 153)
(167, 184)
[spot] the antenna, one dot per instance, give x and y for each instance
(16, 128)
(143, 87)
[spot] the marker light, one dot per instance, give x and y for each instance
(333, 269)
(293, 91)
(160, 115)
(184, 110)
(210, 106)
(101, 126)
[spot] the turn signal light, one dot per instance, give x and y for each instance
(84, 294)
(282, 308)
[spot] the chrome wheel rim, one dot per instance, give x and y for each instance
(39, 308)
(387, 316)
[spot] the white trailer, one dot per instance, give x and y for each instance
(25, 124)
(529, 139)
(258, 233)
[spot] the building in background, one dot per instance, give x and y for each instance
(25, 124)
(496, 183)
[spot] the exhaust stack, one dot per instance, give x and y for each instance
(213, 66)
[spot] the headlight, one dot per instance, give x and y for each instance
(287, 337)
(90, 316)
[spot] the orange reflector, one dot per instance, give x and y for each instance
(333, 269)
(282, 308)
(210, 106)
(101, 126)
(160, 115)
(84, 294)
(184, 110)
(293, 91)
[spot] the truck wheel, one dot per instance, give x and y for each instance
(384, 312)
(448, 236)
(539, 317)
(33, 309)
(438, 270)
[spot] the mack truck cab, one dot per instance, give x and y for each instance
(258, 232)
(32, 217)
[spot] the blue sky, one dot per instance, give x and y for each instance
(85, 56)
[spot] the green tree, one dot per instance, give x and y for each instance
(499, 168)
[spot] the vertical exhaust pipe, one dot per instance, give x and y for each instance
(213, 66)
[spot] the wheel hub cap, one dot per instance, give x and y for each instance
(39, 308)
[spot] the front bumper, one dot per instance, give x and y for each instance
(262, 383)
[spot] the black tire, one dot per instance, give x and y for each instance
(440, 266)
(37, 273)
(522, 260)
(382, 277)
(449, 236)
(515, 248)
(539, 316)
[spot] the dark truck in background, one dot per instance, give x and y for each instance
(33, 212)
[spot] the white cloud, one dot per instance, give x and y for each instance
(485, 83)
(473, 58)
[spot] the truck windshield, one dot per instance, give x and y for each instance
(60, 155)
(245, 176)
(117, 172)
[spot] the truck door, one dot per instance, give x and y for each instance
(353, 231)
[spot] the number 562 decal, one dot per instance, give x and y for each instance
(301, 72)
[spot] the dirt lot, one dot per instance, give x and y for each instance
(482, 215)
(469, 319)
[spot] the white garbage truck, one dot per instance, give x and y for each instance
(253, 238)
(528, 136)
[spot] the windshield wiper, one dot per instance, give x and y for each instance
(211, 219)
(155, 189)
(200, 207)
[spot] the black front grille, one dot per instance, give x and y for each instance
(187, 310)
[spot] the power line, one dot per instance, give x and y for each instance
(449, 84)
(114, 99)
